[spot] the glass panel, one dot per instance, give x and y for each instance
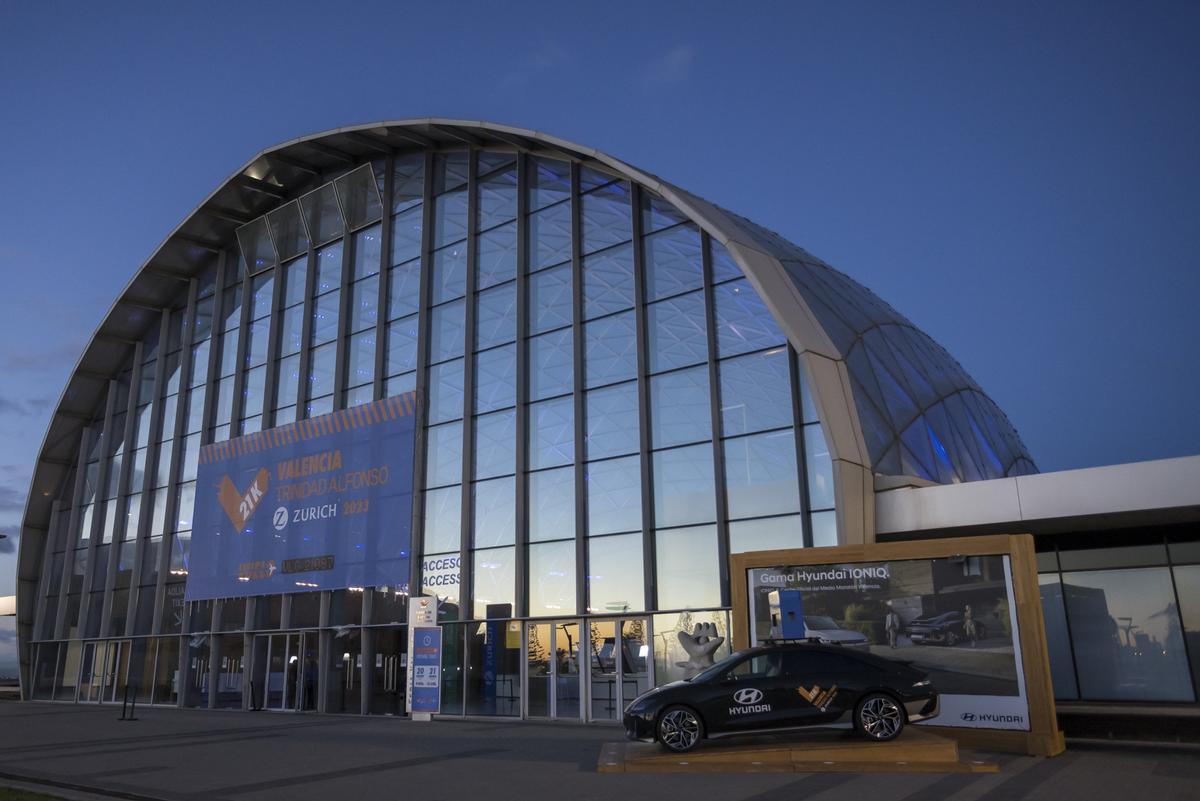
(673, 262)
(408, 184)
(494, 513)
(289, 381)
(446, 391)
(261, 294)
(1127, 556)
(360, 359)
(550, 182)
(443, 455)
(824, 528)
(291, 330)
(324, 318)
(551, 433)
(359, 196)
(402, 345)
(496, 316)
(606, 703)
(743, 321)
(724, 268)
(404, 289)
(496, 379)
(322, 215)
(612, 421)
(440, 576)
(610, 349)
(364, 304)
(446, 331)
(550, 236)
(493, 672)
(819, 465)
(615, 574)
(329, 269)
(1187, 587)
(550, 299)
(614, 495)
(497, 256)
(551, 364)
(605, 217)
(294, 275)
(255, 241)
(495, 580)
(449, 171)
(443, 513)
(552, 506)
(688, 574)
(683, 486)
(676, 332)
(406, 235)
(497, 199)
(495, 444)
(449, 217)
(552, 578)
(1126, 629)
(608, 281)
(761, 474)
(756, 392)
(321, 370)
(1058, 638)
(766, 534)
(449, 279)
(291, 237)
(657, 213)
(680, 408)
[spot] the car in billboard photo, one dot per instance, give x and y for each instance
(780, 687)
(948, 628)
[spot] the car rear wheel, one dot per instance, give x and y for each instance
(680, 729)
(879, 717)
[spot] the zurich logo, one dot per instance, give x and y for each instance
(968, 716)
(748, 696)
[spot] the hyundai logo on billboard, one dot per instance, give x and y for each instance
(320, 504)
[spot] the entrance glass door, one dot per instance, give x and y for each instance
(104, 671)
(285, 671)
(552, 678)
(389, 678)
(618, 654)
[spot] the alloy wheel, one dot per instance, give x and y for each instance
(880, 718)
(679, 730)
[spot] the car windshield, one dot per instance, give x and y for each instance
(720, 668)
(819, 622)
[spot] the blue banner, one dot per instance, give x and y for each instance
(320, 504)
(427, 669)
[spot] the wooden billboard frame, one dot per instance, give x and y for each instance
(1044, 738)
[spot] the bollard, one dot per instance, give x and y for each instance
(124, 704)
(133, 702)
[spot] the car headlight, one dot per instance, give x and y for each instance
(922, 683)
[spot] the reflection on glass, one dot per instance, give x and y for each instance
(1058, 638)
(495, 513)
(615, 574)
(756, 392)
(443, 513)
(680, 408)
(766, 534)
(761, 474)
(495, 448)
(683, 486)
(494, 573)
(1125, 627)
(688, 574)
(552, 505)
(612, 421)
(614, 495)
(668, 653)
(552, 578)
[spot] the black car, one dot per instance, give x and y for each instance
(948, 628)
(784, 686)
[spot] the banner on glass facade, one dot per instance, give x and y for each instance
(320, 504)
(952, 617)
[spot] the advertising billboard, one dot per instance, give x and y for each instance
(319, 504)
(952, 617)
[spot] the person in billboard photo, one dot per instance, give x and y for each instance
(891, 624)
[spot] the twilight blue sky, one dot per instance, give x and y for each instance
(1021, 179)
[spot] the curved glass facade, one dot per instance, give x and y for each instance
(607, 411)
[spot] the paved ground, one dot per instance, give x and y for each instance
(192, 755)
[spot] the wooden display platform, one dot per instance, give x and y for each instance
(914, 751)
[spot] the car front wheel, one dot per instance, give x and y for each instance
(679, 729)
(879, 717)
